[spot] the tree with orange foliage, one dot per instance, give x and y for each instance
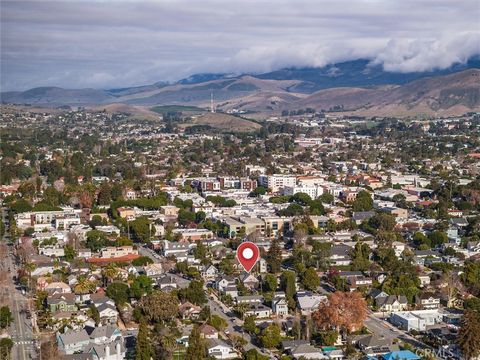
(342, 311)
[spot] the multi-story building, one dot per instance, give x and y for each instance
(276, 183)
(313, 191)
(118, 251)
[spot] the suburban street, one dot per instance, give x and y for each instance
(383, 328)
(21, 329)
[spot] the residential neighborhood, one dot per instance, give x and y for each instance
(128, 245)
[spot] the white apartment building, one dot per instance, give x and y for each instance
(277, 182)
(313, 191)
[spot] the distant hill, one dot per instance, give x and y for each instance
(222, 122)
(353, 86)
(57, 96)
(357, 73)
(450, 94)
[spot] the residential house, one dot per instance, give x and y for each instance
(262, 266)
(188, 310)
(260, 311)
(209, 272)
(355, 282)
(223, 282)
(427, 300)
(424, 280)
(374, 345)
(340, 255)
(423, 257)
(208, 332)
(219, 349)
(308, 352)
(279, 304)
(392, 303)
(73, 341)
(308, 302)
(153, 270)
(231, 291)
(61, 302)
(57, 287)
(108, 313)
(84, 253)
(250, 281)
(167, 283)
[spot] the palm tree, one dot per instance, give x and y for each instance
(84, 285)
(241, 309)
(168, 343)
(109, 273)
(29, 268)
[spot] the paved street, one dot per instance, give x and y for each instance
(21, 328)
(382, 327)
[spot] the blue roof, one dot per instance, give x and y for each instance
(401, 355)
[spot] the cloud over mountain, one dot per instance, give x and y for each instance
(121, 43)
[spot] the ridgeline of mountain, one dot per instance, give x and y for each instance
(352, 86)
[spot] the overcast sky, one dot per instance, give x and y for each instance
(111, 43)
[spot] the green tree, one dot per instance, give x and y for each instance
(274, 256)
(438, 238)
(310, 279)
(141, 285)
(217, 322)
(142, 261)
(226, 266)
(249, 325)
(259, 190)
(363, 202)
(6, 345)
(469, 335)
(94, 314)
(270, 282)
(193, 293)
(197, 349)
(328, 338)
(287, 283)
(96, 240)
(301, 198)
(322, 251)
(200, 251)
(382, 221)
(140, 229)
(270, 337)
(143, 347)
(118, 291)
(159, 306)
(360, 257)
(69, 252)
(2, 229)
(6, 317)
(253, 354)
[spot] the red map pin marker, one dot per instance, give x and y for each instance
(247, 254)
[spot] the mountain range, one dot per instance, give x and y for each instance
(353, 86)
